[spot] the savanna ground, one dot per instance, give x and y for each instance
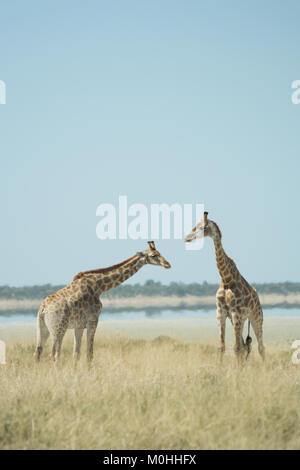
(154, 384)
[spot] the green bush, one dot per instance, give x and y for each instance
(149, 288)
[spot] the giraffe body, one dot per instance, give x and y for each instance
(78, 305)
(236, 299)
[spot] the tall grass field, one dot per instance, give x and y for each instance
(147, 390)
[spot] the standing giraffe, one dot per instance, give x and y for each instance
(236, 299)
(78, 305)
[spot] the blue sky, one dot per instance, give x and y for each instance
(162, 101)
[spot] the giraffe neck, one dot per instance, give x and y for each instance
(107, 279)
(226, 266)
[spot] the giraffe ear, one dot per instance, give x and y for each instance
(151, 245)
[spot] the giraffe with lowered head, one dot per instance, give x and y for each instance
(78, 304)
(236, 299)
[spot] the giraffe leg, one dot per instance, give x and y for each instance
(221, 317)
(56, 346)
(57, 341)
(256, 321)
(238, 347)
(91, 330)
(42, 336)
(78, 332)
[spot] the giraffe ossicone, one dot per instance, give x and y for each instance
(78, 305)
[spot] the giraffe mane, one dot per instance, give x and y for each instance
(218, 229)
(103, 270)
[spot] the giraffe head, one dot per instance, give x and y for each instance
(205, 228)
(154, 257)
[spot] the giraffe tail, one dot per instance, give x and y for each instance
(248, 341)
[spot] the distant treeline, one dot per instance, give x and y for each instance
(150, 288)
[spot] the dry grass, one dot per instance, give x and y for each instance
(158, 393)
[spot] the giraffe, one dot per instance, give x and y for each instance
(235, 298)
(78, 305)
